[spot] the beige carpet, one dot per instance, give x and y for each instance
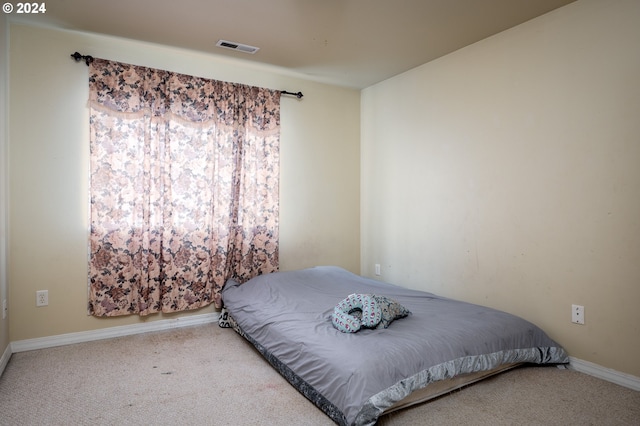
(206, 375)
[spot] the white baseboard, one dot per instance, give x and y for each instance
(107, 333)
(4, 360)
(613, 376)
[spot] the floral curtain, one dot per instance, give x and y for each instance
(184, 188)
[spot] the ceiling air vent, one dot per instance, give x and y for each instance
(237, 46)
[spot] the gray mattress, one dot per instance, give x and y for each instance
(354, 377)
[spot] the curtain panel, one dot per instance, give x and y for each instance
(184, 185)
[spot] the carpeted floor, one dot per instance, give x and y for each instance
(205, 375)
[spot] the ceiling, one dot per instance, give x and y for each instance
(352, 43)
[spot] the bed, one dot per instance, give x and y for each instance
(355, 377)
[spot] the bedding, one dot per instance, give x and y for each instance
(356, 377)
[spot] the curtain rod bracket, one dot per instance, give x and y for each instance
(78, 57)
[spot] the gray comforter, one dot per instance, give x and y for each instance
(354, 377)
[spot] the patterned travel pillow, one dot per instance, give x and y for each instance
(391, 310)
(366, 310)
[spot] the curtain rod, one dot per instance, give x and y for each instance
(298, 95)
(88, 59)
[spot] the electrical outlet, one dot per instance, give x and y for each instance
(42, 297)
(577, 314)
(377, 269)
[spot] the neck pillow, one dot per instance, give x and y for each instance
(366, 310)
(356, 311)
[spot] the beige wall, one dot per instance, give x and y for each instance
(4, 68)
(508, 174)
(49, 161)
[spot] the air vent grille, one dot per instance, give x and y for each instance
(237, 46)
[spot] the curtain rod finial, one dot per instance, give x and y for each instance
(78, 57)
(298, 95)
